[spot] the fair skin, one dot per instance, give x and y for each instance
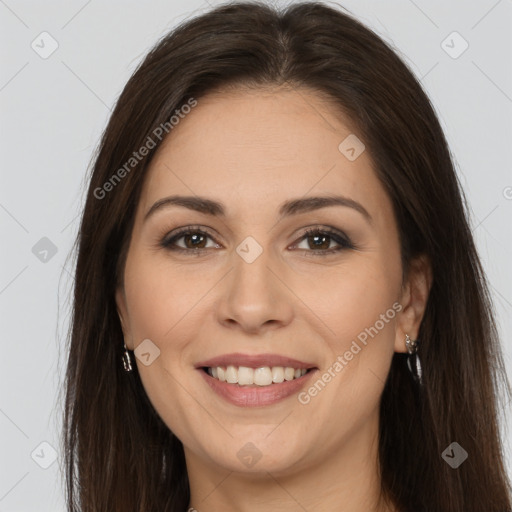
(252, 151)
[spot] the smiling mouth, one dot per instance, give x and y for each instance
(258, 377)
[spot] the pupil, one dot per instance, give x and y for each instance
(323, 239)
(195, 238)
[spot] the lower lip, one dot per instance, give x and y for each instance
(256, 396)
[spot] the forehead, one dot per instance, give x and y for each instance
(254, 144)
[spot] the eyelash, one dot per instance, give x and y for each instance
(342, 240)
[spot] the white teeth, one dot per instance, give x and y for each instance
(277, 374)
(263, 376)
(289, 373)
(231, 374)
(245, 376)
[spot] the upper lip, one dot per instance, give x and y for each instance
(254, 361)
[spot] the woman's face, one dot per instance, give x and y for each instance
(250, 288)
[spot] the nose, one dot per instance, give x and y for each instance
(254, 297)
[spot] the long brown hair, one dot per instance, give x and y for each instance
(119, 455)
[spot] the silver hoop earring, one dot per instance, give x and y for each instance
(413, 360)
(127, 360)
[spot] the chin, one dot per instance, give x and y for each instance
(258, 454)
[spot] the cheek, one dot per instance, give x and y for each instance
(159, 298)
(352, 297)
(362, 314)
(161, 308)
(359, 307)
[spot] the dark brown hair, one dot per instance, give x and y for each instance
(119, 454)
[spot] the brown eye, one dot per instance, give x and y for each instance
(192, 239)
(319, 241)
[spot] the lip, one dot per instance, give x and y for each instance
(256, 396)
(255, 361)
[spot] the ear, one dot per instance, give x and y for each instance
(415, 293)
(122, 311)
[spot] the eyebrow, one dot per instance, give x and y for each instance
(291, 207)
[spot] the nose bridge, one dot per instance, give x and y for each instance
(252, 263)
(254, 295)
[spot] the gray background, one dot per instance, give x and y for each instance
(54, 109)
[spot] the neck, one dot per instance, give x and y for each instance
(347, 480)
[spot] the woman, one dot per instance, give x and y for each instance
(278, 303)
